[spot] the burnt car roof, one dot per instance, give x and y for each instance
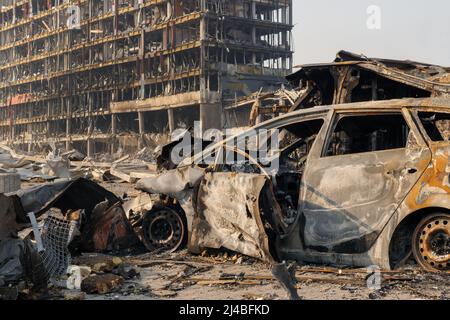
(435, 102)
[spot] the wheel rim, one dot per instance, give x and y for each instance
(163, 229)
(433, 242)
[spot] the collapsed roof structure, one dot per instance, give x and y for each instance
(357, 78)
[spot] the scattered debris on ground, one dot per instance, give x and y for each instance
(76, 240)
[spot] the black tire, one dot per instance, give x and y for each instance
(164, 229)
(431, 242)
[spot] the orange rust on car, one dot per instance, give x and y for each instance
(432, 177)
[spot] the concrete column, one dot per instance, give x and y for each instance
(253, 16)
(284, 39)
(114, 97)
(13, 132)
(90, 147)
(203, 85)
(141, 64)
(68, 124)
(14, 12)
(253, 9)
(113, 132)
(141, 122)
(210, 116)
(90, 142)
(48, 121)
(66, 55)
(30, 5)
(290, 13)
(203, 28)
(142, 88)
(113, 124)
(171, 119)
(13, 128)
(283, 15)
(115, 10)
(141, 129)
(30, 132)
(11, 123)
(254, 42)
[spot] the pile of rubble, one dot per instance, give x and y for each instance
(73, 238)
(72, 164)
(44, 226)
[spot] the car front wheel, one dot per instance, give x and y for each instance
(164, 229)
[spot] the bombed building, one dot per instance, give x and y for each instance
(99, 75)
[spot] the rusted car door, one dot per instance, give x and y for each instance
(228, 214)
(356, 177)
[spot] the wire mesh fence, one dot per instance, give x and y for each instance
(53, 261)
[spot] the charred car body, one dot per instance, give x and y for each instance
(357, 78)
(357, 184)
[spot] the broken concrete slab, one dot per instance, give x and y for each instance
(59, 166)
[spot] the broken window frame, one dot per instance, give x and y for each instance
(423, 130)
(339, 115)
(320, 195)
(218, 150)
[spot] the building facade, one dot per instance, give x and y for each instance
(100, 74)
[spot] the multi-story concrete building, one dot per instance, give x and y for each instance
(96, 74)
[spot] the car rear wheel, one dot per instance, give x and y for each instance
(431, 242)
(163, 230)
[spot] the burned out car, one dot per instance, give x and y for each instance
(355, 184)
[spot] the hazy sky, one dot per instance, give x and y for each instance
(409, 29)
